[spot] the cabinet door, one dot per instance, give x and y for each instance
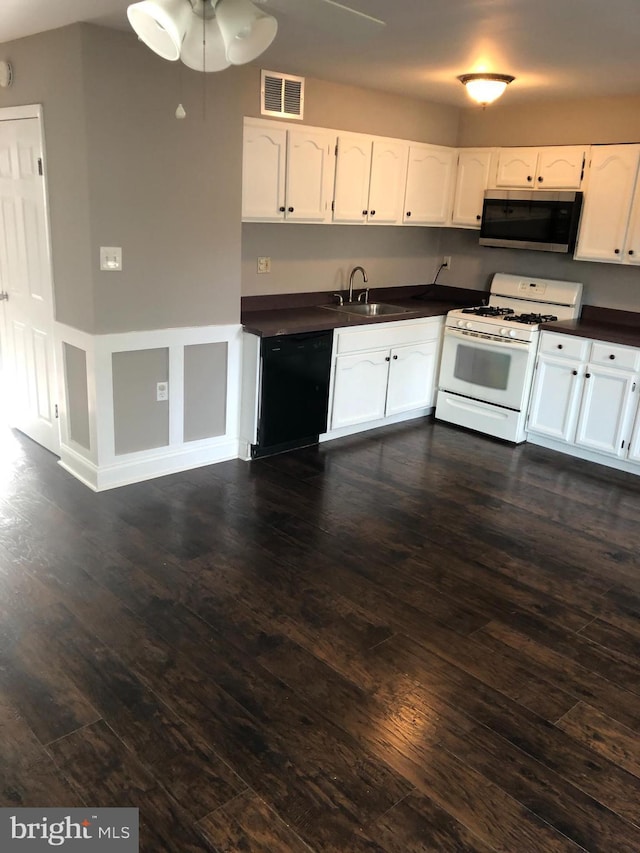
(555, 398)
(474, 169)
(263, 172)
(310, 169)
(360, 388)
(607, 203)
(560, 167)
(605, 409)
(411, 377)
(430, 179)
(353, 168)
(634, 447)
(386, 186)
(517, 167)
(632, 243)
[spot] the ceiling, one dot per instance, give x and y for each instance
(555, 48)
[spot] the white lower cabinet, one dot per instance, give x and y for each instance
(384, 370)
(585, 395)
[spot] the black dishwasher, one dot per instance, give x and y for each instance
(294, 391)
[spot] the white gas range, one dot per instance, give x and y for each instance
(489, 352)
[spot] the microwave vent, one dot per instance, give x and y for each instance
(281, 95)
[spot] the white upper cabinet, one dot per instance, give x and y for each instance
(287, 173)
(353, 170)
(370, 178)
(610, 224)
(430, 179)
(472, 179)
(548, 168)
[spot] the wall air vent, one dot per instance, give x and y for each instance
(281, 95)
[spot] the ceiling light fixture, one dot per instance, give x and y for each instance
(485, 88)
(207, 35)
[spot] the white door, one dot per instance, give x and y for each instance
(474, 168)
(517, 167)
(555, 398)
(386, 186)
(430, 179)
(310, 170)
(605, 409)
(26, 284)
(360, 388)
(560, 167)
(607, 203)
(263, 172)
(353, 168)
(411, 377)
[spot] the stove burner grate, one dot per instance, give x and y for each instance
(488, 311)
(532, 319)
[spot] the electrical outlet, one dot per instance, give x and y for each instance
(162, 391)
(264, 265)
(446, 262)
(111, 258)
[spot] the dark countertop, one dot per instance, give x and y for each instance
(278, 318)
(601, 324)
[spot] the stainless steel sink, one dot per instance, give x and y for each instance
(369, 309)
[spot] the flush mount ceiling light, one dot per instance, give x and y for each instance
(485, 88)
(207, 35)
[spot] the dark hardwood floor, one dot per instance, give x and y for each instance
(416, 640)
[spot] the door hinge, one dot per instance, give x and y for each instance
(55, 409)
(40, 169)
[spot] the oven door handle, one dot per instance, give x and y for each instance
(506, 343)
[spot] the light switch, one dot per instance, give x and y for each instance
(264, 265)
(111, 258)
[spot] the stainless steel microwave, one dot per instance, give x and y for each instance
(529, 219)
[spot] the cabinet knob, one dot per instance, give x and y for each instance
(372, 212)
(529, 177)
(281, 209)
(631, 252)
(612, 356)
(560, 346)
(386, 358)
(409, 214)
(478, 217)
(587, 376)
(616, 251)
(540, 179)
(574, 372)
(364, 212)
(290, 209)
(395, 358)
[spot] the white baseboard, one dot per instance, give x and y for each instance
(583, 453)
(145, 466)
(382, 422)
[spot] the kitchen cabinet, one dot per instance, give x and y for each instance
(547, 168)
(287, 173)
(473, 176)
(585, 394)
(370, 180)
(384, 370)
(610, 224)
(430, 181)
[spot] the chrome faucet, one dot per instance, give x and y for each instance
(364, 278)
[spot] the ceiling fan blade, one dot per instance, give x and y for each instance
(329, 16)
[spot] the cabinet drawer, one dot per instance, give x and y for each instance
(387, 335)
(564, 346)
(614, 355)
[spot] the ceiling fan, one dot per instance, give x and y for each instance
(210, 35)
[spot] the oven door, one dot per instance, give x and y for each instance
(493, 370)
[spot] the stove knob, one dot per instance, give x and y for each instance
(460, 323)
(469, 325)
(513, 333)
(504, 331)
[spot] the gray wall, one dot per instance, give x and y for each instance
(75, 370)
(205, 391)
(140, 421)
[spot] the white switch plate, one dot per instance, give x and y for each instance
(111, 258)
(264, 265)
(162, 391)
